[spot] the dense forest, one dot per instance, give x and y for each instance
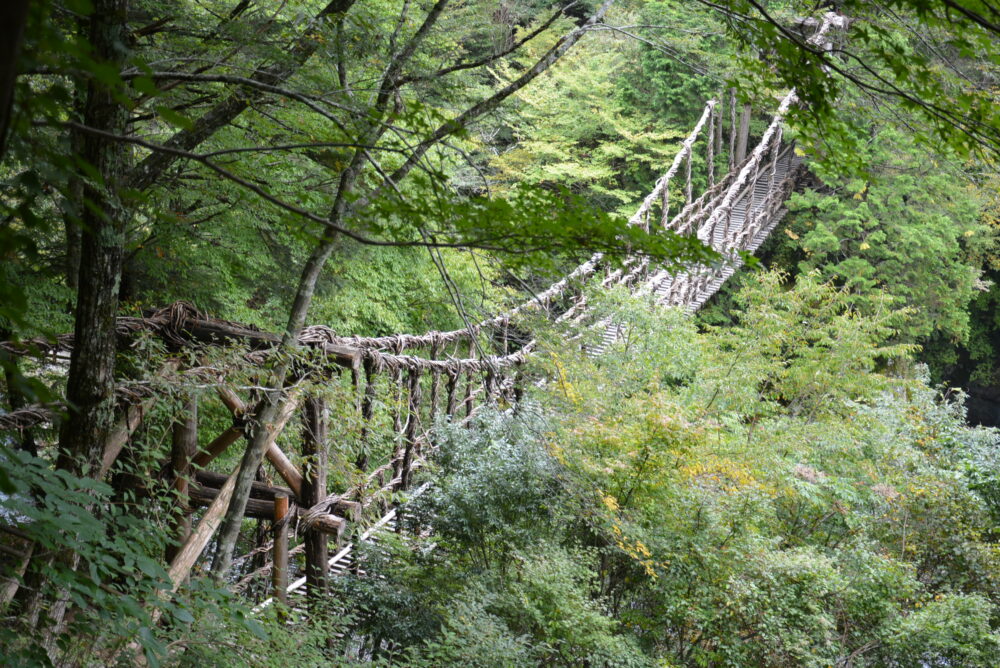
(500, 333)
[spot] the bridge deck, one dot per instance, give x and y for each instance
(785, 169)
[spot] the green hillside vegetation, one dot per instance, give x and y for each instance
(804, 473)
(763, 494)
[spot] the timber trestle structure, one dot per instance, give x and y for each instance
(419, 378)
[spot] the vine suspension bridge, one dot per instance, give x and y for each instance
(438, 372)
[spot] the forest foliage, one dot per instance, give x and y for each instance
(781, 481)
(759, 496)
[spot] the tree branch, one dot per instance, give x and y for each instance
(147, 172)
(485, 106)
(491, 58)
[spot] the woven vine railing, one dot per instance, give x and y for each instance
(713, 189)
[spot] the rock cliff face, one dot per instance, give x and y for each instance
(983, 405)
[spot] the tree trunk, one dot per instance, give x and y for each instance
(264, 432)
(274, 399)
(90, 390)
(13, 16)
(743, 135)
(15, 398)
(73, 204)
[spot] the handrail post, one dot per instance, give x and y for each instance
(279, 571)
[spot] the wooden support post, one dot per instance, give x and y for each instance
(314, 453)
(732, 129)
(710, 149)
(468, 382)
(718, 138)
(665, 206)
(355, 382)
(280, 556)
(451, 386)
(744, 133)
(396, 378)
(411, 425)
(775, 150)
(468, 400)
(491, 380)
(687, 184)
(435, 380)
(399, 425)
(367, 410)
(184, 446)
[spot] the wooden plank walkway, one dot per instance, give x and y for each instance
(675, 290)
(722, 236)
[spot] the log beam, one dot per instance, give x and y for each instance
(258, 508)
(258, 490)
(189, 552)
(193, 329)
(263, 507)
(281, 463)
(218, 446)
(127, 425)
